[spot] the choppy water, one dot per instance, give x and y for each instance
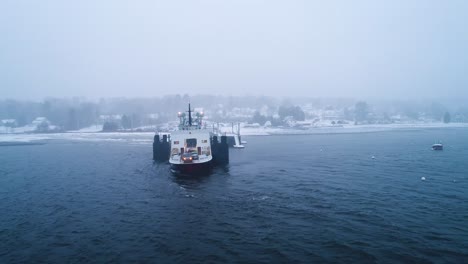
(316, 198)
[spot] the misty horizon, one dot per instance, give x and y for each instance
(459, 100)
(359, 49)
(71, 114)
(202, 100)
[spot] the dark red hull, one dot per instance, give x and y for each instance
(192, 168)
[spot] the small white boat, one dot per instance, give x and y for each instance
(438, 146)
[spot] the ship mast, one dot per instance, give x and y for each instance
(189, 115)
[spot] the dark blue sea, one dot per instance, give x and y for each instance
(282, 199)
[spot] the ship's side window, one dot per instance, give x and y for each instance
(175, 151)
(191, 142)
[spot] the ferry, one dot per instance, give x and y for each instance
(190, 145)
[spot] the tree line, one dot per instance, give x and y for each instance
(76, 113)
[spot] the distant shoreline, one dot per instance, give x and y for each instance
(147, 137)
(347, 129)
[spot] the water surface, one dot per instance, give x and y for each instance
(310, 198)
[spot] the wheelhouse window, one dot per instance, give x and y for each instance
(191, 142)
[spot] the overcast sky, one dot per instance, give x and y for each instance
(395, 49)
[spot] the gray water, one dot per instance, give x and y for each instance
(282, 199)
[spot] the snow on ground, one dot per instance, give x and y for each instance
(262, 131)
(24, 129)
(147, 137)
(22, 137)
(95, 128)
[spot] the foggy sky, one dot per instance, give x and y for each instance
(393, 49)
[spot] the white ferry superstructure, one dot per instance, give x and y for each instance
(190, 145)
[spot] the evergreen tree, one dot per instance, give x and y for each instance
(72, 122)
(42, 127)
(126, 122)
(447, 117)
(361, 111)
(258, 118)
(294, 111)
(110, 127)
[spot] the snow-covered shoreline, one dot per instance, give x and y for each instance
(345, 129)
(147, 137)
